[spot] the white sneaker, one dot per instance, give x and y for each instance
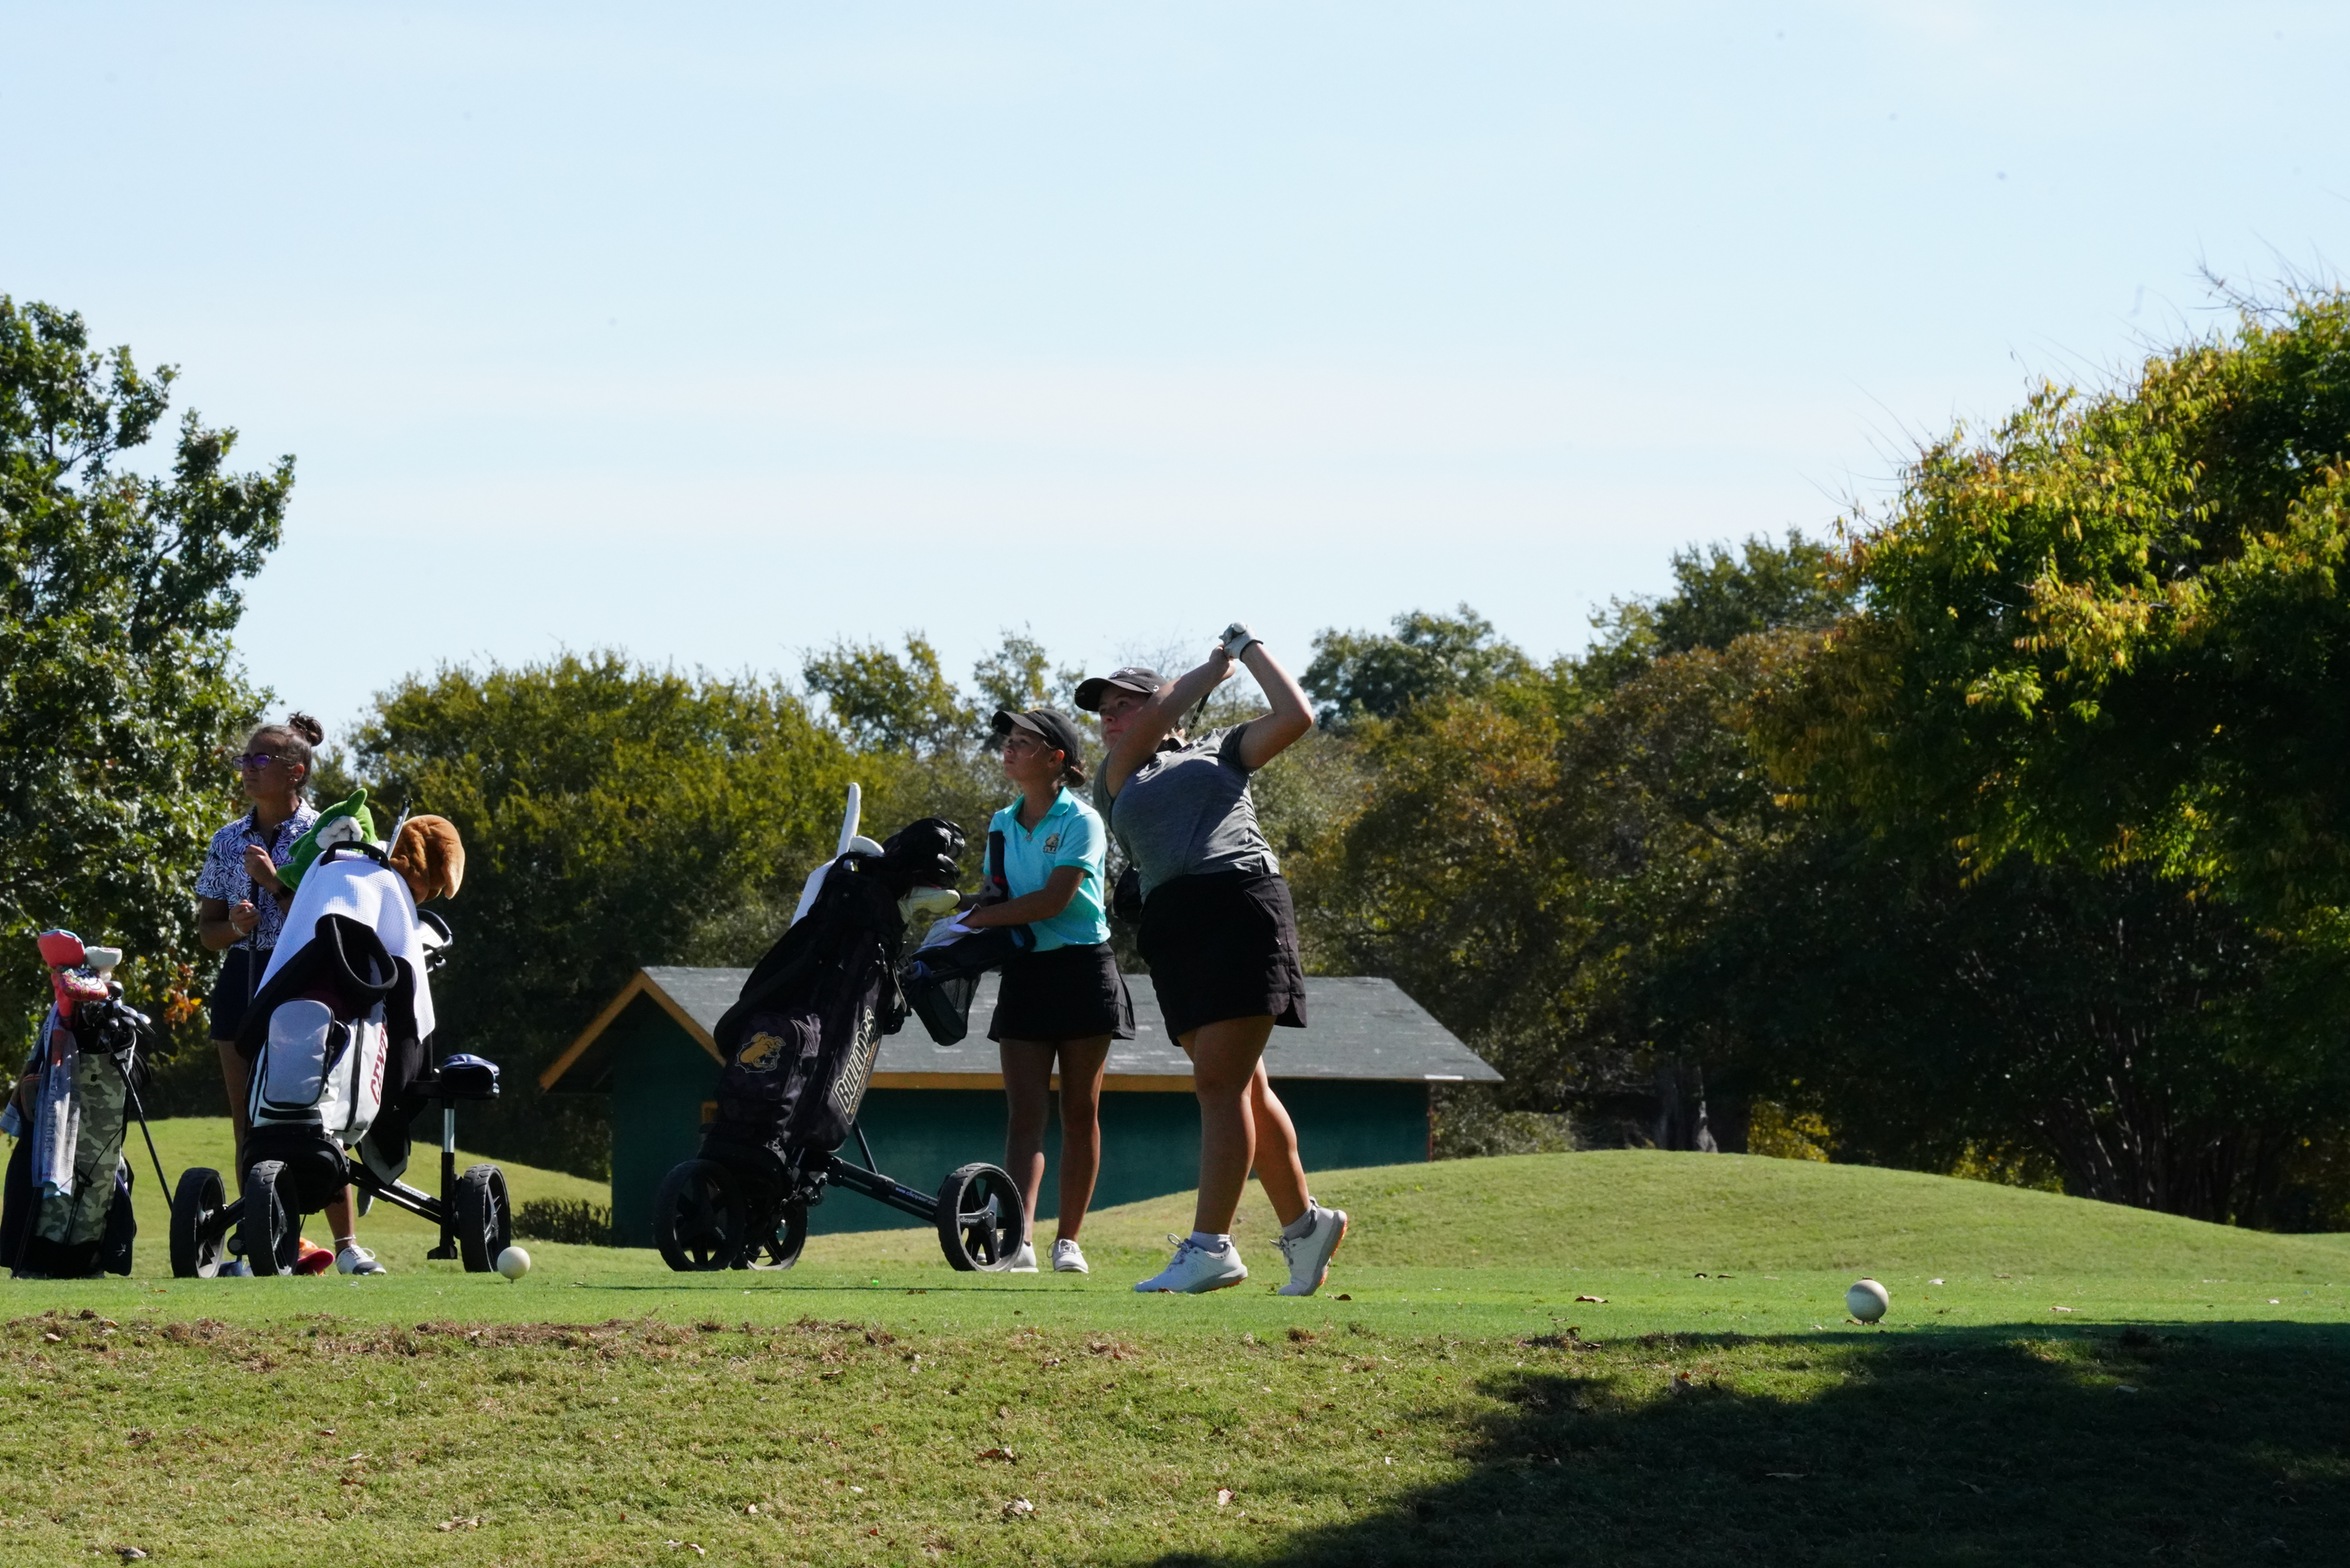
(1309, 1255)
(355, 1259)
(1023, 1261)
(1194, 1269)
(1069, 1258)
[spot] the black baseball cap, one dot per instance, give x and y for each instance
(1134, 678)
(1050, 725)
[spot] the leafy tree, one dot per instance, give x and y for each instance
(1719, 597)
(614, 816)
(1018, 676)
(1364, 675)
(118, 683)
(2116, 631)
(887, 703)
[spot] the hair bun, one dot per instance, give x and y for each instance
(307, 727)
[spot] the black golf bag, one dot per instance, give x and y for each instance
(800, 1040)
(799, 1046)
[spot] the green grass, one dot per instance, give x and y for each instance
(1447, 1399)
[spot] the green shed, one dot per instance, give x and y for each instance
(1356, 1082)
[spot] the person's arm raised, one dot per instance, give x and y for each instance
(1156, 718)
(1292, 715)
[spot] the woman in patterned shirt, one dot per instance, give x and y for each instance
(240, 908)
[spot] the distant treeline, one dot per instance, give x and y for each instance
(2004, 833)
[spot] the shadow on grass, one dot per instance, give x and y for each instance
(2223, 1443)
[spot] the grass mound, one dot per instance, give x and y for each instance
(1642, 1209)
(1564, 1358)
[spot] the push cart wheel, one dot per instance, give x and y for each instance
(698, 1218)
(979, 1218)
(782, 1247)
(270, 1229)
(484, 1219)
(199, 1227)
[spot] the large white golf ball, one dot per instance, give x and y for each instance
(514, 1263)
(1866, 1300)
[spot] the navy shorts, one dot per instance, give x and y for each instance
(232, 992)
(1221, 945)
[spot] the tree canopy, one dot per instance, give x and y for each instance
(118, 683)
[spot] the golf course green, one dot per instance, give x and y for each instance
(1623, 1357)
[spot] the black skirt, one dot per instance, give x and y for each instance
(1224, 945)
(1066, 993)
(232, 992)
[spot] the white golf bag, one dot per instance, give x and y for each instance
(319, 1072)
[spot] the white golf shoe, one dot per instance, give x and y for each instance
(1023, 1261)
(1196, 1269)
(1309, 1255)
(355, 1259)
(1069, 1258)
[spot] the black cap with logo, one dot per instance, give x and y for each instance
(1050, 725)
(1134, 678)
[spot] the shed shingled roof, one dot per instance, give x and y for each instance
(1361, 1029)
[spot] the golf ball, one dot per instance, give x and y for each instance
(1866, 1300)
(514, 1263)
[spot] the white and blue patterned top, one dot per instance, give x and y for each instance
(223, 876)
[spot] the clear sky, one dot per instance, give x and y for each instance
(716, 334)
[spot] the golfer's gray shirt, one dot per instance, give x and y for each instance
(1188, 811)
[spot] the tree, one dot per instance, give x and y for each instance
(1018, 676)
(1365, 675)
(2116, 632)
(118, 682)
(1718, 598)
(614, 816)
(883, 702)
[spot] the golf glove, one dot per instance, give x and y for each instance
(1238, 639)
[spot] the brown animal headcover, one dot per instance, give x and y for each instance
(430, 857)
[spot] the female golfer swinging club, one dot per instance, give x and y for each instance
(1221, 939)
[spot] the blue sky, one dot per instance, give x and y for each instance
(717, 335)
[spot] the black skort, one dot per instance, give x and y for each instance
(232, 992)
(1224, 945)
(1066, 993)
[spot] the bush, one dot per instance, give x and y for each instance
(1467, 1124)
(574, 1220)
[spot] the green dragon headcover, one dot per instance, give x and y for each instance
(344, 822)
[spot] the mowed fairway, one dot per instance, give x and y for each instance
(1451, 1397)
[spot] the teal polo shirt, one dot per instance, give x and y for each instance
(1069, 834)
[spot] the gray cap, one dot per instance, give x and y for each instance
(1134, 678)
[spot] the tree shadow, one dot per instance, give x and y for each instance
(2222, 1443)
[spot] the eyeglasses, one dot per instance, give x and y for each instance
(253, 760)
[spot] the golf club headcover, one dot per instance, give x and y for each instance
(347, 821)
(430, 857)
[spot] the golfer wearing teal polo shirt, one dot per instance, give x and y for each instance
(1063, 998)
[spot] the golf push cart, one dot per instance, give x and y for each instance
(338, 1034)
(799, 1047)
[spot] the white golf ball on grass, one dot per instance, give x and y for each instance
(514, 1263)
(1867, 1300)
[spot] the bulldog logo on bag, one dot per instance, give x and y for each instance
(762, 1053)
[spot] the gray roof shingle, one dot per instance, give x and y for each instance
(1359, 1028)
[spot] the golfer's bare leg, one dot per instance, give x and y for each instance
(1028, 1094)
(1279, 1169)
(338, 1215)
(1082, 1062)
(1223, 1065)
